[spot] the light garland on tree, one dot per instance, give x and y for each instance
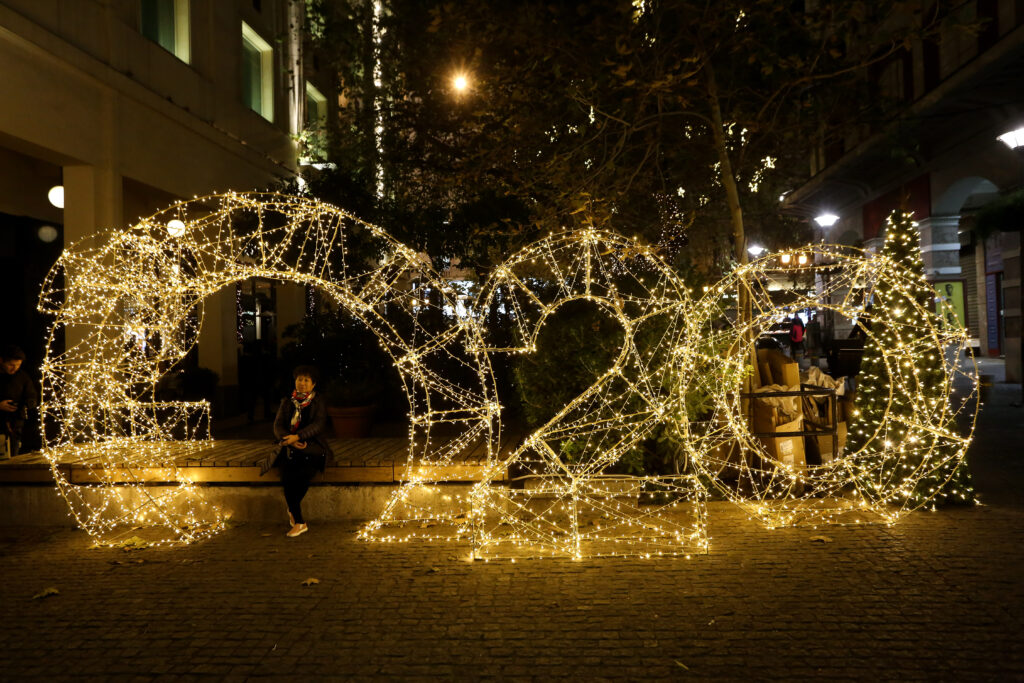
(128, 309)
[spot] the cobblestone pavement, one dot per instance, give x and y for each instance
(938, 596)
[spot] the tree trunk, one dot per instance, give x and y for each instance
(293, 64)
(744, 313)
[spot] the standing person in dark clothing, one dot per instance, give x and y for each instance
(813, 339)
(17, 396)
(301, 427)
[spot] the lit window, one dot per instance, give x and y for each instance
(316, 106)
(165, 22)
(257, 73)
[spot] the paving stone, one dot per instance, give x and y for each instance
(938, 596)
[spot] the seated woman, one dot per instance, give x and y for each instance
(301, 428)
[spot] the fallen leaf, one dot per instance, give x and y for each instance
(821, 539)
(45, 593)
(678, 663)
(265, 535)
(310, 582)
(132, 543)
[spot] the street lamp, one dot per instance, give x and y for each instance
(175, 227)
(460, 82)
(56, 196)
(1013, 139)
(756, 250)
(826, 220)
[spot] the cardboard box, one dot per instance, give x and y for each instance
(789, 450)
(783, 370)
(825, 443)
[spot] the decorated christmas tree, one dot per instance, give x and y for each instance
(919, 465)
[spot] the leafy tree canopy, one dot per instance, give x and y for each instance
(617, 112)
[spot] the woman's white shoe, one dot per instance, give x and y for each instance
(297, 530)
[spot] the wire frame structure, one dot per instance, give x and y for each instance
(131, 308)
(923, 430)
(569, 496)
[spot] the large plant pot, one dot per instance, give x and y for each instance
(352, 422)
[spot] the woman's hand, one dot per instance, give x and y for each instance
(300, 444)
(291, 440)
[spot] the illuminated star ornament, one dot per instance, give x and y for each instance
(686, 371)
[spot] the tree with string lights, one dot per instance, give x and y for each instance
(884, 420)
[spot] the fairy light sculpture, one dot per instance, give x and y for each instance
(923, 425)
(131, 308)
(574, 506)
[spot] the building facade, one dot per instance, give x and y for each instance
(939, 155)
(129, 106)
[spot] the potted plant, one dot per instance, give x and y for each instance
(351, 405)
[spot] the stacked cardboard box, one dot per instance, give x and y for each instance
(786, 449)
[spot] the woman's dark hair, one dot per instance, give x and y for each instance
(306, 371)
(12, 352)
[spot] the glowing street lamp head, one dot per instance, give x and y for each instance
(460, 82)
(826, 220)
(56, 196)
(1013, 139)
(755, 250)
(175, 228)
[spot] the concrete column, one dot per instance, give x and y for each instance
(940, 246)
(93, 202)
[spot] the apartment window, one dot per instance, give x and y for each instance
(316, 106)
(165, 22)
(257, 73)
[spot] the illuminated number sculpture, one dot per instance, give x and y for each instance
(925, 424)
(131, 308)
(568, 496)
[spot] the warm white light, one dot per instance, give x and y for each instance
(56, 196)
(460, 83)
(175, 228)
(786, 258)
(756, 250)
(46, 233)
(826, 220)
(802, 259)
(1013, 139)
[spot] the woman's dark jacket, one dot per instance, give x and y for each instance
(313, 429)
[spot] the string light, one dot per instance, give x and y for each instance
(572, 507)
(129, 310)
(132, 310)
(913, 433)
